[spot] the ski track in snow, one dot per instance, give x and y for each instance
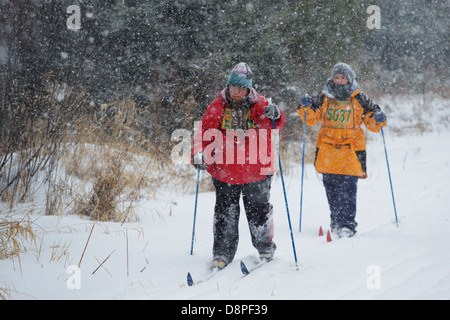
(411, 261)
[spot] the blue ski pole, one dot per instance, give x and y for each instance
(389, 173)
(303, 170)
(195, 212)
(285, 199)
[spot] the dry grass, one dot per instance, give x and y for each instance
(110, 185)
(4, 292)
(93, 160)
(13, 233)
(111, 165)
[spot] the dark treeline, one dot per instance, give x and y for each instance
(172, 57)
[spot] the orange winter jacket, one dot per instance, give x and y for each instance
(341, 144)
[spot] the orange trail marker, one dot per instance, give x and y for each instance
(328, 236)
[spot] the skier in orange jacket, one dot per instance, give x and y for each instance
(341, 108)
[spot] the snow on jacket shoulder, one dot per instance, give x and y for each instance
(238, 156)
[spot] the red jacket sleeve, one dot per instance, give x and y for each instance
(210, 120)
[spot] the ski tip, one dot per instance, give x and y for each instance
(190, 282)
(244, 268)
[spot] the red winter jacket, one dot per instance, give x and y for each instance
(238, 156)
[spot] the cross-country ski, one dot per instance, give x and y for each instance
(191, 281)
(247, 270)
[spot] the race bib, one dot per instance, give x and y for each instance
(339, 115)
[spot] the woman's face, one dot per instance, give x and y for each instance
(339, 79)
(237, 93)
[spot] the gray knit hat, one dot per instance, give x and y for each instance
(345, 70)
(341, 92)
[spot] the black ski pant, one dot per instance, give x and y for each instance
(258, 210)
(341, 193)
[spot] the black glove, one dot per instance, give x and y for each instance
(379, 116)
(198, 161)
(306, 102)
(272, 112)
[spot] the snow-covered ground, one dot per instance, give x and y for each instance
(149, 259)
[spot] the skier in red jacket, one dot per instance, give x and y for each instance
(234, 143)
